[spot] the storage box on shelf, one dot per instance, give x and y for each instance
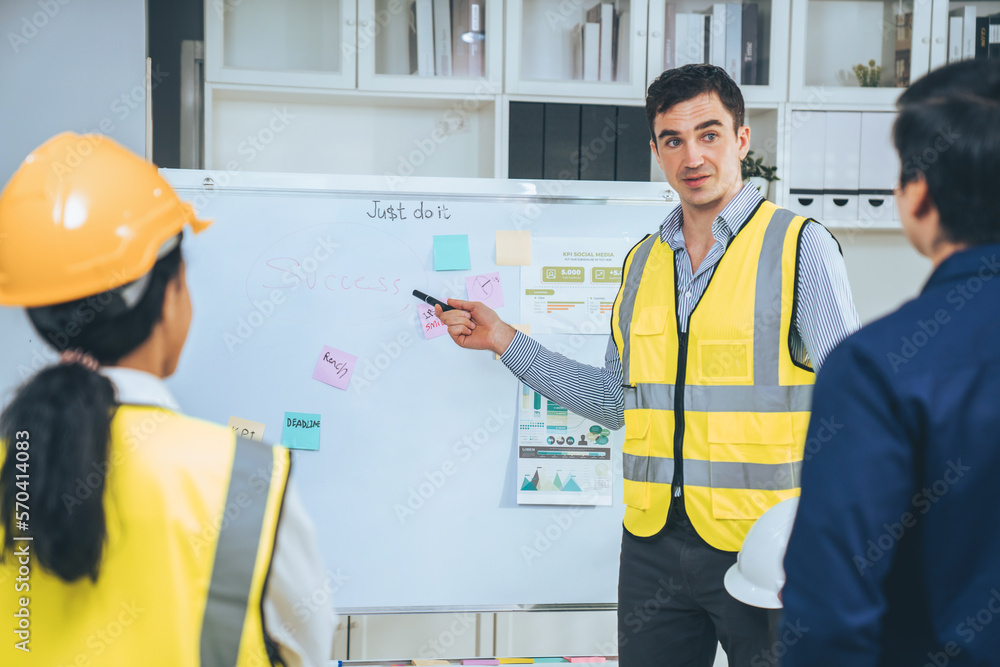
(842, 167)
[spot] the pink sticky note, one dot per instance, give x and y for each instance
(335, 367)
(429, 323)
(585, 659)
(485, 288)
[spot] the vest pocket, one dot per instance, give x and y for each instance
(725, 361)
(650, 345)
(751, 466)
(635, 454)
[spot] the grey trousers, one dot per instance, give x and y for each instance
(673, 607)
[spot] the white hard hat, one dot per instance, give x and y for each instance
(759, 574)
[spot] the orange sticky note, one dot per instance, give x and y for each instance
(514, 247)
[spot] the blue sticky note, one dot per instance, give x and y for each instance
(451, 253)
(300, 431)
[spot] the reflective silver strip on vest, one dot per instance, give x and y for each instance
(726, 398)
(718, 475)
(767, 300)
(629, 289)
(236, 554)
(654, 469)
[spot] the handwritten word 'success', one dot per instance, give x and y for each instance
(293, 276)
(339, 366)
(398, 212)
(301, 423)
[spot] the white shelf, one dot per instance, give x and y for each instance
(295, 43)
(541, 53)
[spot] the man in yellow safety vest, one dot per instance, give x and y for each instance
(721, 320)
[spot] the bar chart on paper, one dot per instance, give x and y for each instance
(562, 458)
(571, 283)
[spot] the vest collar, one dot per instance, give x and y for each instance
(982, 261)
(139, 387)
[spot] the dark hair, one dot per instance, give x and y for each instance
(980, 78)
(684, 83)
(63, 414)
(952, 140)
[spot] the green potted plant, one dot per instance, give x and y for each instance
(758, 173)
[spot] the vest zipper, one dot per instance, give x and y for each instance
(678, 482)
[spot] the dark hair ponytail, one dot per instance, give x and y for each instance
(62, 419)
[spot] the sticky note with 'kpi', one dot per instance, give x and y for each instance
(245, 428)
(301, 431)
(451, 253)
(335, 367)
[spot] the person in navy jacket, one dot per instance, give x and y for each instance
(894, 558)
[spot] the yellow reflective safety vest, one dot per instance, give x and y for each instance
(192, 512)
(721, 410)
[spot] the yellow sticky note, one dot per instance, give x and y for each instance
(516, 661)
(523, 328)
(245, 428)
(514, 247)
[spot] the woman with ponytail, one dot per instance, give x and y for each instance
(131, 534)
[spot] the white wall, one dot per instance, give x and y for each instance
(65, 65)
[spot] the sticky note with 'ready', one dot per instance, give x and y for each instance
(335, 367)
(245, 428)
(429, 322)
(301, 431)
(451, 253)
(485, 288)
(513, 247)
(523, 328)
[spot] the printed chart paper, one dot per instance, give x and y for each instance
(562, 458)
(571, 284)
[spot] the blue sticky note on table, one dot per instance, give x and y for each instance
(300, 431)
(451, 253)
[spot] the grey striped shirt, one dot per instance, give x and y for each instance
(825, 315)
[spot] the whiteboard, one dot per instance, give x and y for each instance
(432, 427)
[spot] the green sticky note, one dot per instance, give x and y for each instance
(451, 253)
(301, 431)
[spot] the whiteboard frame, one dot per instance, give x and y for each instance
(481, 189)
(205, 183)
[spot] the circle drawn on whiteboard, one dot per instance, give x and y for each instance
(316, 275)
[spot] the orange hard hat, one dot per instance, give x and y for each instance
(83, 215)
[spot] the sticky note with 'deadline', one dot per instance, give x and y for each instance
(485, 288)
(301, 431)
(429, 323)
(514, 247)
(335, 367)
(451, 253)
